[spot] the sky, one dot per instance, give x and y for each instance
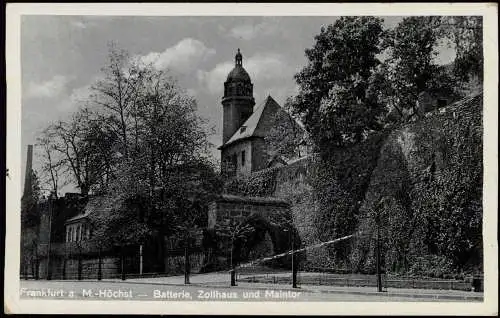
(62, 55)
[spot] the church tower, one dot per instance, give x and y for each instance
(238, 99)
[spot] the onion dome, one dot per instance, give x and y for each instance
(238, 74)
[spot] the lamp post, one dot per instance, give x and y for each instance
(122, 261)
(186, 262)
(378, 209)
(379, 276)
(140, 260)
(233, 271)
(294, 266)
(291, 237)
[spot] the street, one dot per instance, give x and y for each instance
(115, 290)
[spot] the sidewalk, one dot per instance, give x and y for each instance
(222, 280)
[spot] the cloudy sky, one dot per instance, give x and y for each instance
(62, 55)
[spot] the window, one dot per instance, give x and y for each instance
(243, 158)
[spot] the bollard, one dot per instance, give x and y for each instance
(233, 277)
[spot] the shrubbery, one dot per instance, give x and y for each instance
(258, 184)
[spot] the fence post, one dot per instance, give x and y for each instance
(122, 260)
(186, 264)
(64, 267)
(140, 260)
(294, 273)
(99, 265)
(37, 269)
(79, 265)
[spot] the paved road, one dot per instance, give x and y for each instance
(113, 290)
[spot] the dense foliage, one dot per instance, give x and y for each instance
(339, 188)
(411, 67)
(361, 79)
(258, 184)
(337, 102)
(466, 33)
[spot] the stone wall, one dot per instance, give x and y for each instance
(62, 268)
(231, 208)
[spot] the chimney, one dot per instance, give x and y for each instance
(28, 174)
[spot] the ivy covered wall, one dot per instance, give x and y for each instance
(430, 173)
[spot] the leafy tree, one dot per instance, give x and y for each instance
(335, 102)
(52, 164)
(163, 176)
(115, 223)
(237, 234)
(116, 94)
(466, 32)
(410, 67)
(83, 150)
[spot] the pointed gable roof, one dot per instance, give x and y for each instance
(258, 124)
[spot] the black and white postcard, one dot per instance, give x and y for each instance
(249, 158)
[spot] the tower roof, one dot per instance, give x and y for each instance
(238, 73)
(254, 126)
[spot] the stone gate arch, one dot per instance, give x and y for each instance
(271, 220)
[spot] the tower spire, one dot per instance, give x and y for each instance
(238, 58)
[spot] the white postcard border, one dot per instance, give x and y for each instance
(12, 302)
